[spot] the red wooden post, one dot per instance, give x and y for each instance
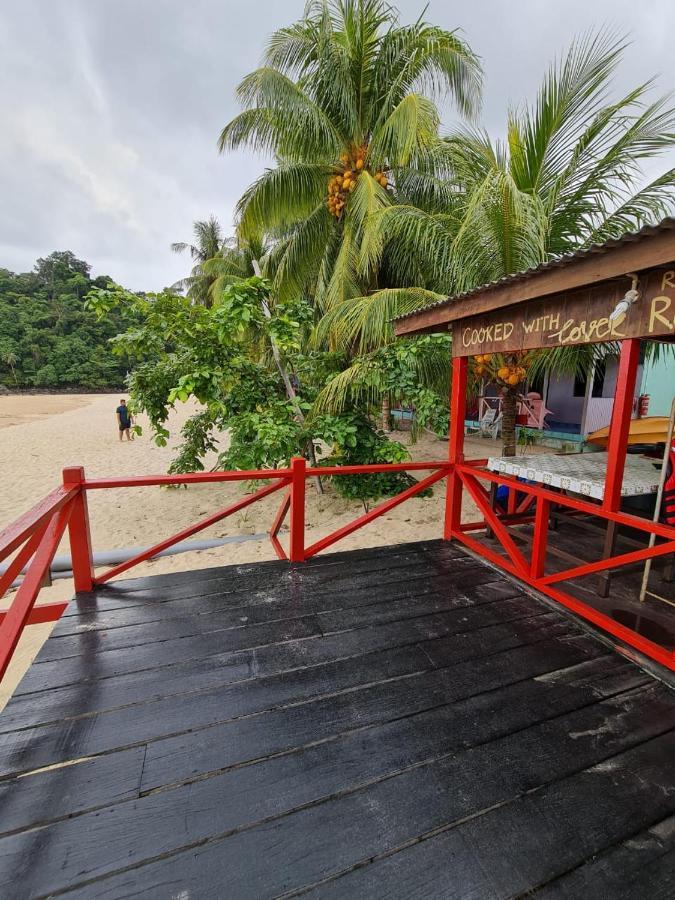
(82, 557)
(620, 424)
(453, 496)
(297, 524)
(540, 536)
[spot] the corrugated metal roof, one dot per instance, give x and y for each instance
(562, 261)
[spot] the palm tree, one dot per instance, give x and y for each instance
(237, 260)
(208, 237)
(567, 176)
(345, 103)
(10, 358)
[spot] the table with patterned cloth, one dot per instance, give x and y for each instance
(580, 473)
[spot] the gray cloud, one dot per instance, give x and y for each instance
(111, 109)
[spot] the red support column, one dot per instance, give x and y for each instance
(540, 537)
(82, 557)
(620, 424)
(453, 497)
(297, 523)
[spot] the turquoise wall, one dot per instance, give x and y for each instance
(659, 382)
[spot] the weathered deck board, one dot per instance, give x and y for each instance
(285, 651)
(392, 722)
(642, 866)
(90, 697)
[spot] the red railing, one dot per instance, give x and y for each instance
(532, 570)
(35, 537)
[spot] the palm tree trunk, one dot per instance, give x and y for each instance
(386, 413)
(509, 407)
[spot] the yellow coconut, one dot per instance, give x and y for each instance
(503, 373)
(513, 380)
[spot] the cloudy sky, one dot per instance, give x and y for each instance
(110, 109)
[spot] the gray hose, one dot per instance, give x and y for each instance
(62, 564)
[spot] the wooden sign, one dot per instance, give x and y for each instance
(577, 317)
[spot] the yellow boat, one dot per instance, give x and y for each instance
(649, 430)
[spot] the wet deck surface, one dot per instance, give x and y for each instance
(399, 722)
(654, 618)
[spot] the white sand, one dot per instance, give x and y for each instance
(44, 434)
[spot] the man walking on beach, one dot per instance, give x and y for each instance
(124, 419)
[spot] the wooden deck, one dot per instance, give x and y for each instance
(397, 722)
(654, 619)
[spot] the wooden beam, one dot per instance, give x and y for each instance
(643, 253)
(620, 424)
(453, 496)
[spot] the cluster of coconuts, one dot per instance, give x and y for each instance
(508, 375)
(511, 375)
(344, 180)
(481, 363)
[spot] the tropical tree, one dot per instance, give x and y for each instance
(47, 337)
(345, 102)
(567, 176)
(224, 356)
(208, 243)
(10, 358)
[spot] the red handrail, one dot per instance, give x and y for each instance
(533, 573)
(41, 529)
(19, 612)
(92, 484)
(193, 529)
(412, 491)
(16, 533)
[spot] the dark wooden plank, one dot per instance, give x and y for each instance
(153, 602)
(96, 665)
(181, 712)
(58, 704)
(31, 748)
(369, 755)
(396, 608)
(180, 758)
(277, 786)
(65, 791)
(266, 576)
(231, 630)
(300, 849)
(424, 693)
(156, 649)
(642, 866)
(523, 844)
(277, 603)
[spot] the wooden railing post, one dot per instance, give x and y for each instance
(540, 538)
(297, 524)
(453, 496)
(620, 424)
(82, 557)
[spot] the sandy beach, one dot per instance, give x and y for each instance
(42, 434)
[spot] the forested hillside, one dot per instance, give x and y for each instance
(47, 337)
